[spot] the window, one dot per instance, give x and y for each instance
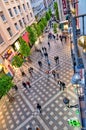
(24, 21)
(10, 12)
(3, 17)
(31, 14)
(27, 17)
(15, 10)
(1, 39)
(16, 26)
(20, 22)
(19, 8)
(10, 31)
(24, 7)
(28, 5)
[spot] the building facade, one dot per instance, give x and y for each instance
(48, 3)
(15, 15)
(38, 8)
(62, 7)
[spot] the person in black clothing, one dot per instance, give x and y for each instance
(49, 44)
(24, 85)
(46, 55)
(63, 85)
(23, 73)
(39, 107)
(40, 64)
(43, 49)
(56, 58)
(15, 87)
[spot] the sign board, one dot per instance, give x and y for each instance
(74, 122)
(64, 7)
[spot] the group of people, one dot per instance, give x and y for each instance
(51, 36)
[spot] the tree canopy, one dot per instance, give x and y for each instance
(56, 10)
(5, 84)
(47, 16)
(32, 34)
(55, 28)
(24, 48)
(17, 61)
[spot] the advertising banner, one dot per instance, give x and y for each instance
(64, 7)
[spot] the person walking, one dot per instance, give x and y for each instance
(46, 55)
(48, 61)
(60, 84)
(23, 73)
(30, 71)
(28, 83)
(43, 49)
(61, 39)
(63, 85)
(49, 44)
(54, 73)
(56, 58)
(40, 64)
(24, 85)
(39, 108)
(57, 37)
(15, 87)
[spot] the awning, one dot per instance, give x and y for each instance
(25, 37)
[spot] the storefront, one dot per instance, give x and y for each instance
(7, 59)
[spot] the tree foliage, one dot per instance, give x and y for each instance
(37, 29)
(32, 34)
(24, 48)
(50, 12)
(56, 10)
(41, 26)
(17, 61)
(55, 28)
(5, 84)
(44, 21)
(47, 16)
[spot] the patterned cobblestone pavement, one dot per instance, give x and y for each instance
(22, 113)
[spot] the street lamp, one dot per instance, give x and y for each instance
(82, 42)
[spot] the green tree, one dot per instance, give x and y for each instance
(44, 21)
(56, 10)
(24, 48)
(41, 26)
(32, 34)
(55, 28)
(38, 29)
(17, 61)
(5, 84)
(50, 12)
(47, 16)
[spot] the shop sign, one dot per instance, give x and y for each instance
(64, 7)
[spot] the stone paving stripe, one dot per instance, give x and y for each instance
(42, 123)
(27, 101)
(22, 124)
(54, 97)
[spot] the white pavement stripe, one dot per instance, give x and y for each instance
(37, 80)
(42, 123)
(22, 124)
(54, 97)
(27, 101)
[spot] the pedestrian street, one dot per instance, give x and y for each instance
(22, 113)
